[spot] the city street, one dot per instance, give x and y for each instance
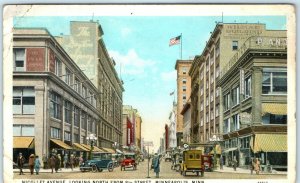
(141, 173)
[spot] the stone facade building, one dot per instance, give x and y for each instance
(55, 105)
(86, 47)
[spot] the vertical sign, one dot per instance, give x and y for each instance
(35, 58)
(242, 79)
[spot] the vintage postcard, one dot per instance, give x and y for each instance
(149, 93)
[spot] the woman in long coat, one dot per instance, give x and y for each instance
(31, 163)
(37, 165)
(156, 167)
(52, 162)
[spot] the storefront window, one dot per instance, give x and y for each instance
(23, 130)
(274, 82)
(274, 119)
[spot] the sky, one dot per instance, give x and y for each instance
(144, 60)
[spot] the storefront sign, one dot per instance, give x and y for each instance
(242, 79)
(271, 41)
(35, 59)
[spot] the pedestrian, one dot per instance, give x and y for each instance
(80, 160)
(52, 162)
(37, 164)
(156, 165)
(72, 161)
(57, 163)
(252, 165)
(65, 160)
(257, 166)
(20, 162)
(45, 161)
(234, 164)
(31, 163)
(59, 159)
(221, 162)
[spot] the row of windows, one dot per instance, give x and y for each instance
(23, 100)
(244, 143)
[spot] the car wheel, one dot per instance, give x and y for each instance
(110, 167)
(94, 168)
(82, 170)
(202, 173)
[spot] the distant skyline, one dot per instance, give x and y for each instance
(144, 60)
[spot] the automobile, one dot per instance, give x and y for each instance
(116, 159)
(207, 162)
(129, 161)
(192, 161)
(99, 162)
(177, 158)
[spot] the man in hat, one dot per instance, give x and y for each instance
(20, 162)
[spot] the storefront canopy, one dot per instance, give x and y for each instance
(23, 142)
(80, 147)
(119, 151)
(230, 149)
(61, 144)
(108, 150)
(273, 108)
(269, 143)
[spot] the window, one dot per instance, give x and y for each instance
(211, 114)
(90, 97)
(207, 64)
(217, 71)
(184, 88)
(217, 110)
(235, 45)
(23, 130)
(211, 58)
(90, 123)
(226, 100)
(76, 116)
(184, 81)
(67, 136)
(274, 119)
(245, 142)
(184, 69)
(207, 117)
(207, 84)
(76, 138)
(83, 120)
(201, 121)
(274, 82)
(201, 90)
(94, 103)
(84, 92)
(212, 78)
(207, 101)
(23, 100)
(217, 91)
(212, 96)
(201, 75)
(248, 87)
(227, 125)
(68, 112)
(184, 96)
(236, 122)
(19, 59)
(77, 85)
(55, 105)
(57, 67)
(201, 106)
(55, 133)
(68, 76)
(235, 96)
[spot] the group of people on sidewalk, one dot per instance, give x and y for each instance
(55, 162)
(33, 162)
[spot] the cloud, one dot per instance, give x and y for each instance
(131, 62)
(125, 32)
(169, 76)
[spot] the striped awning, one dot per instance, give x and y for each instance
(61, 144)
(269, 143)
(23, 142)
(108, 150)
(97, 149)
(88, 147)
(274, 108)
(80, 147)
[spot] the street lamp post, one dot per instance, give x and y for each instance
(92, 138)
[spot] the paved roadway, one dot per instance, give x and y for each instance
(141, 173)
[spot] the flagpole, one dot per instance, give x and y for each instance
(181, 45)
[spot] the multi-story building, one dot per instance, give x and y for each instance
(55, 106)
(186, 113)
(183, 93)
(86, 47)
(225, 41)
(132, 128)
(172, 128)
(254, 102)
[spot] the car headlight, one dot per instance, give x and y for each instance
(89, 163)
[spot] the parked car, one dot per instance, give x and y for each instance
(116, 159)
(100, 162)
(207, 162)
(192, 161)
(129, 161)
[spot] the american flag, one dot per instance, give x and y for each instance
(174, 41)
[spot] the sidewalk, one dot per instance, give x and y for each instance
(246, 171)
(63, 170)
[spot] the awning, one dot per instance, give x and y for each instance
(230, 149)
(119, 151)
(23, 142)
(274, 108)
(97, 149)
(88, 147)
(108, 150)
(218, 150)
(80, 147)
(269, 143)
(61, 144)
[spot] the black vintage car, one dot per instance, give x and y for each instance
(100, 162)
